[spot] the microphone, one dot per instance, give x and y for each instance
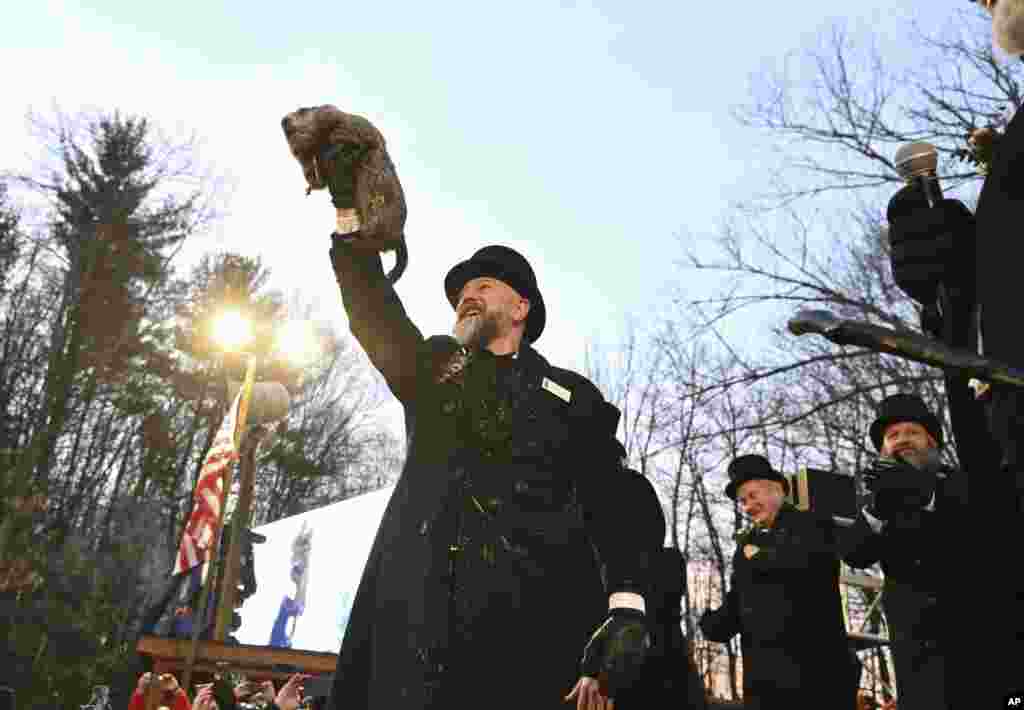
(917, 164)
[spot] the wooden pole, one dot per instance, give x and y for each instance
(229, 580)
(199, 617)
(239, 523)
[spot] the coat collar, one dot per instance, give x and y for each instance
(532, 361)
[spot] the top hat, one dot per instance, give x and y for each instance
(904, 408)
(506, 265)
(752, 467)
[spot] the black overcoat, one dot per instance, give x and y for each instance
(483, 584)
(785, 604)
(996, 495)
(921, 607)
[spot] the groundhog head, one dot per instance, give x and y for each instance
(311, 131)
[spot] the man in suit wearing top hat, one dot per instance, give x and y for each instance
(482, 587)
(909, 525)
(784, 599)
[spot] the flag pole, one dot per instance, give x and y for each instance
(229, 574)
(212, 569)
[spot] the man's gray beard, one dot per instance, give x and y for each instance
(1008, 26)
(927, 460)
(476, 331)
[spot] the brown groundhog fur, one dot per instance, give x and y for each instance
(380, 202)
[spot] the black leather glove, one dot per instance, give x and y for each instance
(930, 245)
(898, 488)
(617, 651)
(339, 161)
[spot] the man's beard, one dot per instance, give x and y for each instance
(477, 331)
(927, 459)
(1008, 26)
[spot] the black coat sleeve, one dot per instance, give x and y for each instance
(859, 545)
(621, 510)
(377, 318)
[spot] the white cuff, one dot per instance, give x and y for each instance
(347, 221)
(626, 600)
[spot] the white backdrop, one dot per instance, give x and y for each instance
(342, 535)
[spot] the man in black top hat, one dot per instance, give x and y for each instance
(909, 525)
(784, 599)
(482, 587)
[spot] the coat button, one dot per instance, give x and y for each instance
(424, 527)
(460, 473)
(448, 406)
(521, 487)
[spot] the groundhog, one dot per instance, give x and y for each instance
(346, 153)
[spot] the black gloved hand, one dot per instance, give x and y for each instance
(898, 488)
(930, 245)
(617, 651)
(339, 162)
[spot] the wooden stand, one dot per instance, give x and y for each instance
(256, 662)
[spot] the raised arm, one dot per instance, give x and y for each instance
(377, 318)
(622, 512)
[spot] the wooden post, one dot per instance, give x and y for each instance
(239, 523)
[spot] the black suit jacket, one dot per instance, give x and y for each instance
(784, 602)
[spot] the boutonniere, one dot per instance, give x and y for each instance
(454, 369)
(744, 536)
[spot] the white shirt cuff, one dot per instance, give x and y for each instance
(626, 600)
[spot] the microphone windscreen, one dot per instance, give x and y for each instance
(916, 159)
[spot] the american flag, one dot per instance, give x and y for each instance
(203, 525)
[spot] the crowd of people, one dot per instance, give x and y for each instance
(163, 692)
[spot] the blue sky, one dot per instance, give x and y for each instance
(587, 135)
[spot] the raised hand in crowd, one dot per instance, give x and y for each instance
(290, 695)
(250, 690)
(266, 692)
(154, 690)
(204, 698)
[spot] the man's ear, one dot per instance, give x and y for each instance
(522, 310)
